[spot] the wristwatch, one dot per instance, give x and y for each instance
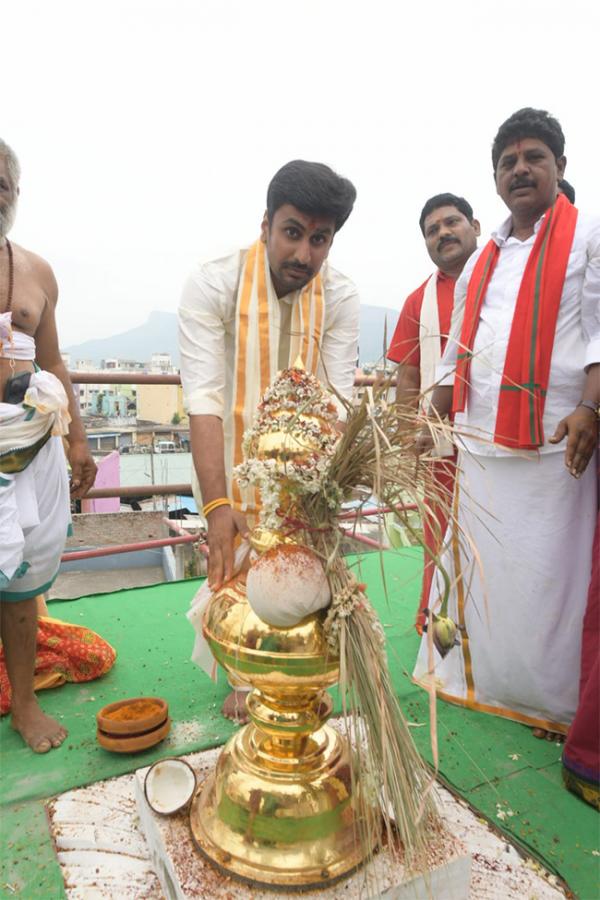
(589, 404)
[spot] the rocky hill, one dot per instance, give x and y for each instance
(159, 335)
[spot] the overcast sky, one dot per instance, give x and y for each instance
(148, 129)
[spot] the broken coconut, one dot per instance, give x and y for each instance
(169, 785)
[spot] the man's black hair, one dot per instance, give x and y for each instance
(440, 200)
(529, 123)
(567, 189)
(314, 189)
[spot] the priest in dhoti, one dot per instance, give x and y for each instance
(37, 408)
(526, 325)
(245, 317)
(450, 231)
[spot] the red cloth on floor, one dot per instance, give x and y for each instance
(64, 653)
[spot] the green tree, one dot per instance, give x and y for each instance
(176, 419)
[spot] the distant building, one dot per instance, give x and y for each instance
(115, 401)
(160, 403)
(161, 362)
(123, 365)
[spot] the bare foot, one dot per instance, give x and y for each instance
(234, 707)
(41, 732)
(544, 735)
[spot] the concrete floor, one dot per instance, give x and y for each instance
(71, 585)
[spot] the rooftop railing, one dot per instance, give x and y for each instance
(185, 489)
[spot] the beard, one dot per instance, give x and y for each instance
(7, 219)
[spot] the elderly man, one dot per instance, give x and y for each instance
(450, 231)
(37, 406)
(243, 318)
(526, 326)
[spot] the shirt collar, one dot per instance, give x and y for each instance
(502, 235)
(441, 276)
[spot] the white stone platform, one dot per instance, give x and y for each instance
(103, 852)
(184, 874)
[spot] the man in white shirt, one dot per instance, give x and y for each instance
(246, 316)
(525, 327)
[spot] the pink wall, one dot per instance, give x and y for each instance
(108, 475)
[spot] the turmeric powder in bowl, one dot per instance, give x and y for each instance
(132, 715)
(139, 709)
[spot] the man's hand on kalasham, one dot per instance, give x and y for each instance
(224, 524)
(581, 427)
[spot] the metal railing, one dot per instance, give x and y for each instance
(105, 376)
(350, 533)
(140, 490)
(183, 489)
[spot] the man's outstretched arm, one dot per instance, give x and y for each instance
(224, 523)
(408, 385)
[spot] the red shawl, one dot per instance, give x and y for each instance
(527, 366)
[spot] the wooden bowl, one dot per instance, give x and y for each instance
(133, 726)
(133, 743)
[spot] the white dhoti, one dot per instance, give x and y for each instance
(34, 492)
(520, 571)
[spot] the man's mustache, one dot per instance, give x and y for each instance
(299, 267)
(447, 240)
(521, 183)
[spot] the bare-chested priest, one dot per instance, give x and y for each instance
(37, 407)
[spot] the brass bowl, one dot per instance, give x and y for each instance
(289, 443)
(290, 661)
(280, 809)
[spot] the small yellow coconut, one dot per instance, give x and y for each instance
(286, 584)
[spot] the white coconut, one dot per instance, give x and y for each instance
(169, 785)
(286, 584)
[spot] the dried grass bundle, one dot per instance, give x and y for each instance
(302, 492)
(375, 454)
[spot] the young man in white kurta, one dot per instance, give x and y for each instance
(521, 557)
(207, 321)
(244, 317)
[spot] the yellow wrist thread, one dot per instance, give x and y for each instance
(214, 504)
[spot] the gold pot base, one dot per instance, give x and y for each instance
(291, 825)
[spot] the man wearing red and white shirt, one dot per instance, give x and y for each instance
(450, 233)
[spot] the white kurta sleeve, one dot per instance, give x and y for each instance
(339, 347)
(202, 347)
(590, 299)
